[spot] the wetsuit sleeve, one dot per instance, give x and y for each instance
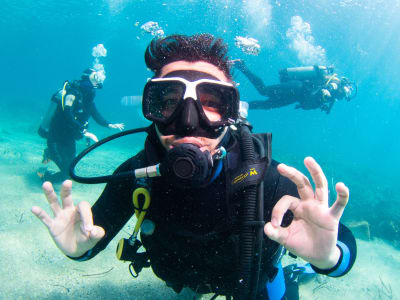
(114, 208)
(97, 116)
(256, 81)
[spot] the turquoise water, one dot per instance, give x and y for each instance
(44, 43)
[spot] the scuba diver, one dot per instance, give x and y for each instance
(66, 121)
(215, 212)
(310, 87)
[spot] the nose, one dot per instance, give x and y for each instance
(189, 118)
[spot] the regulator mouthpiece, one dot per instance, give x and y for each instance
(187, 166)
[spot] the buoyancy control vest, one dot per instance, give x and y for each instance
(209, 246)
(57, 99)
(199, 235)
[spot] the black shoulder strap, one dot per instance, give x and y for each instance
(266, 139)
(73, 88)
(251, 173)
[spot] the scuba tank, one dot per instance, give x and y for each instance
(57, 98)
(304, 73)
(43, 130)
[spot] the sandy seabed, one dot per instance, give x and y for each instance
(33, 268)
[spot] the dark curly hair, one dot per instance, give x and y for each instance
(204, 47)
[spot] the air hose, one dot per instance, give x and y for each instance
(260, 229)
(250, 213)
(107, 178)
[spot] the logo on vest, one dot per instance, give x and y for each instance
(243, 176)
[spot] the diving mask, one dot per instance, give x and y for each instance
(97, 78)
(204, 103)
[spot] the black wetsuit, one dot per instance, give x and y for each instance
(195, 242)
(306, 94)
(67, 126)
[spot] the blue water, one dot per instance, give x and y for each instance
(44, 43)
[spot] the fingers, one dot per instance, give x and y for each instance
(51, 197)
(119, 126)
(341, 200)
(86, 216)
(299, 179)
(318, 176)
(285, 203)
(278, 235)
(65, 194)
(303, 184)
(42, 215)
(96, 234)
(273, 229)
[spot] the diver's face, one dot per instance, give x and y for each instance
(97, 79)
(170, 141)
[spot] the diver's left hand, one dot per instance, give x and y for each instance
(312, 235)
(119, 126)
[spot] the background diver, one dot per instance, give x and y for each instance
(217, 210)
(310, 87)
(67, 121)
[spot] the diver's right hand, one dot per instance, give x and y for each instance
(91, 136)
(72, 227)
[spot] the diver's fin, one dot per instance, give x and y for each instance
(298, 272)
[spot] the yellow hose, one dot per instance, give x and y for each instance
(140, 212)
(63, 94)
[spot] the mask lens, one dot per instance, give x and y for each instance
(163, 98)
(217, 101)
